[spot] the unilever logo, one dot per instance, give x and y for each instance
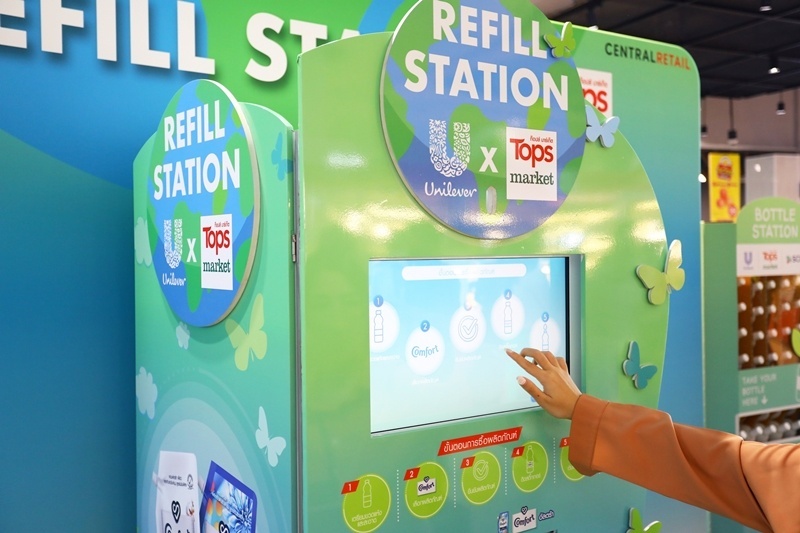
(203, 209)
(449, 166)
(483, 114)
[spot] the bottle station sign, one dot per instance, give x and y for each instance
(768, 238)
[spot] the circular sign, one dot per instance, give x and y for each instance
(427, 492)
(425, 350)
(366, 508)
(483, 114)
(481, 480)
(203, 203)
(570, 472)
(529, 468)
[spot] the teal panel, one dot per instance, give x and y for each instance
(67, 343)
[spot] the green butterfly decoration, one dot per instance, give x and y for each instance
(564, 46)
(796, 341)
(253, 342)
(658, 283)
(636, 526)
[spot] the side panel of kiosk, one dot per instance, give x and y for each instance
(654, 89)
(215, 318)
(411, 417)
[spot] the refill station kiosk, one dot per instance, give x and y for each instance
(463, 185)
(215, 341)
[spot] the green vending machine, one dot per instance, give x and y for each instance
(751, 294)
(215, 318)
(321, 324)
(459, 193)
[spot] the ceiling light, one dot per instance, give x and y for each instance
(701, 178)
(766, 5)
(774, 68)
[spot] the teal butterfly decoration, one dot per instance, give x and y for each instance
(596, 130)
(636, 525)
(658, 283)
(562, 47)
(632, 367)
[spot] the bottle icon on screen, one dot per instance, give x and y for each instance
(366, 495)
(545, 338)
(377, 327)
(507, 319)
(529, 465)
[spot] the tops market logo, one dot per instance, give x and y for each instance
(531, 169)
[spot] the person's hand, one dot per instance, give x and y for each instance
(558, 394)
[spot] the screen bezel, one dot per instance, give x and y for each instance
(574, 267)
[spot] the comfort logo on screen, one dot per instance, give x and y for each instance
(531, 170)
(216, 253)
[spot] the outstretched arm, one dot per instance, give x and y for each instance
(755, 484)
(697, 466)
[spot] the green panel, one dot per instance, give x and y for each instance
(352, 207)
(720, 350)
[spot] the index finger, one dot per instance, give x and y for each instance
(530, 367)
(541, 358)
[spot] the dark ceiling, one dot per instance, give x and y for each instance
(733, 42)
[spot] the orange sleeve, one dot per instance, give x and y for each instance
(755, 484)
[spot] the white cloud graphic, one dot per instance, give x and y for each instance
(141, 243)
(146, 393)
(182, 333)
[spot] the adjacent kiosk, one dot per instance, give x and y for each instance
(751, 294)
(461, 187)
(214, 318)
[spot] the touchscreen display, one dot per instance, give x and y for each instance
(438, 329)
